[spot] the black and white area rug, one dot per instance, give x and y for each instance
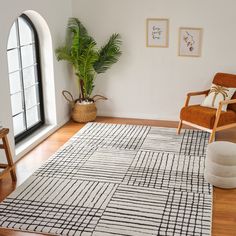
(112, 179)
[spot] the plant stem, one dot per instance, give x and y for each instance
(81, 88)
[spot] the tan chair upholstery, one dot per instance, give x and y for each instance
(210, 119)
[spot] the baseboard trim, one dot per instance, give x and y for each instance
(137, 116)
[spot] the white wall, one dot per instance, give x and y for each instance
(56, 14)
(152, 82)
(146, 82)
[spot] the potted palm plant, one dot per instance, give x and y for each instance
(81, 52)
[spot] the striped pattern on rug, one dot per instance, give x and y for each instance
(112, 179)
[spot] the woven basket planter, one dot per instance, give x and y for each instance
(82, 112)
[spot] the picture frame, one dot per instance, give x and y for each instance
(157, 32)
(190, 42)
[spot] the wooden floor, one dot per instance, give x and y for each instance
(224, 201)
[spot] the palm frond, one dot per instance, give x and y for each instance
(74, 24)
(87, 59)
(108, 54)
(75, 45)
(87, 73)
(63, 53)
(83, 39)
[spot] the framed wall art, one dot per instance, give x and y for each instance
(190, 42)
(157, 32)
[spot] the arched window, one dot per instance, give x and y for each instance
(25, 78)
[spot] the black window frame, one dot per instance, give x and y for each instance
(35, 127)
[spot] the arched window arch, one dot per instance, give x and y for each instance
(25, 78)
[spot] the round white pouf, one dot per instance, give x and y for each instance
(220, 164)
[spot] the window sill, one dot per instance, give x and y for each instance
(33, 140)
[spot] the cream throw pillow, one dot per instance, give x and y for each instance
(217, 94)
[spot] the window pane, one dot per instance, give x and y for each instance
(31, 97)
(12, 40)
(15, 82)
(27, 53)
(26, 36)
(16, 103)
(30, 76)
(32, 116)
(18, 124)
(13, 60)
(23, 77)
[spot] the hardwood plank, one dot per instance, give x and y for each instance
(224, 201)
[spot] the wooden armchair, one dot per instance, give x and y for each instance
(211, 119)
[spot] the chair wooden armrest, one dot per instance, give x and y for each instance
(205, 92)
(189, 95)
(228, 102)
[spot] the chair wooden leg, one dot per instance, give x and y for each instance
(9, 158)
(212, 136)
(179, 127)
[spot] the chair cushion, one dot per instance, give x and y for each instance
(216, 95)
(205, 116)
(226, 80)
